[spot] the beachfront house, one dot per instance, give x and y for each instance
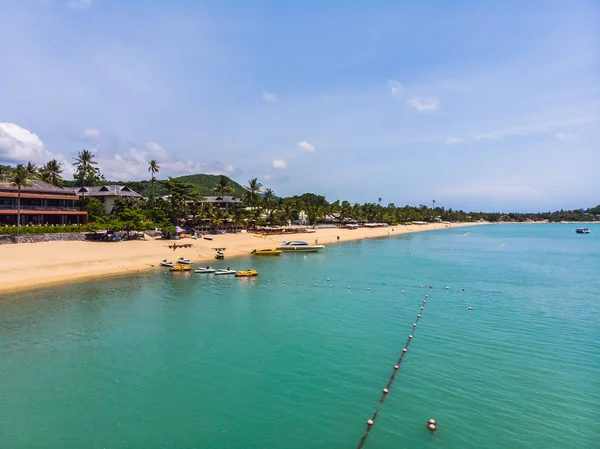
(41, 204)
(106, 194)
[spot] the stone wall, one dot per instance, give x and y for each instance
(67, 237)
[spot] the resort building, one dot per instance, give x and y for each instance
(221, 201)
(41, 204)
(106, 194)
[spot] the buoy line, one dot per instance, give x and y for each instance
(395, 371)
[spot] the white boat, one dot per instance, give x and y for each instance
(299, 245)
(225, 271)
(205, 270)
(583, 231)
(184, 261)
(166, 263)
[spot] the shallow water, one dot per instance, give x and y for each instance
(185, 360)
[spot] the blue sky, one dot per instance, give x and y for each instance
(478, 105)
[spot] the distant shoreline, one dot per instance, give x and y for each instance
(30, 266)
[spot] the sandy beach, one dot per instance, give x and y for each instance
(33, 265)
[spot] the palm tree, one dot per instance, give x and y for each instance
(32, 169)
(20, 178)
(223, 187)
(287, 212)
(153, 169)
(51, 172)
(252, 194)
(83, 162)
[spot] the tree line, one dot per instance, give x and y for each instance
(183, 206)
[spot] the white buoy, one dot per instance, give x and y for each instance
(419, 316)
(402, 292)
(470, 308)
(422, 308)
(424, 302)
(396, 367)
(370, 422)
(330, 285)
(410, 337)
(368, 289)
(385, 391)
(447, 288)
(426, 296)
(414, 324)
(432, 421)
(315, 285)
(299, 283)
(404, 350)
(432, 427)
(327, 279)
(348, 287)
(421, 285)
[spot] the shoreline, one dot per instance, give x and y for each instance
(30, 266)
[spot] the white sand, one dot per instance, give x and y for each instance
(32, 265)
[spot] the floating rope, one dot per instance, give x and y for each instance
(386, 390)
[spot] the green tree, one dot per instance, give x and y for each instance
(153, 169)
(223, 186)
(51, 172)
(85, 171)
(179, 193)
(132, 219)
(252, 195)
(94, 208)
(20, 178)
(32, 169)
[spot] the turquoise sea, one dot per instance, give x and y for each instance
(179, 360)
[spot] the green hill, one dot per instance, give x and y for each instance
(203, 185)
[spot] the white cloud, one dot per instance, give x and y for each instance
(269, 97)
(424, 104)
(21, 145)
(279, 163)
(455, 140)
(229, 169)
(307, 146)
(79, 4)
(91, 134)
(395, 87)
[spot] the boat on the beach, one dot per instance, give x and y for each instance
(166, 263)
(219, 254)
(184, 261)
(583, 231)
(299, 245)
(246, 273)
(207, 238)
(266, 252)
(207, 269)
(223, 271)
(180, 267)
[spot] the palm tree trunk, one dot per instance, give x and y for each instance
(152, 190)
(18, 210)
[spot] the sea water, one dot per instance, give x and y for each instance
(298, 357)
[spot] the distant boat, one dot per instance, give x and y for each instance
(298, 245)
(207, 238)
(166, 263)
(180, 268)
(246, 273)
(225, 271)
(184, 261)
(583, 231)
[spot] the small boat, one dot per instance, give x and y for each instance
(207, 238)
(180, 268)
(299, 245)
(207, 269)
(166, 263)
(583, 231)
(266, 252)
(181, 260)
(225, 271)
(219, 255)
(246, 273)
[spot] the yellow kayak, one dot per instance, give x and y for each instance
(246, 273)
(266, 252)
(180, 267)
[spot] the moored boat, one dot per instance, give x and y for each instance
(299, 245)
(207, 269)
(180, 267)
(184, 261)
(246, 273)
(166, 263)
(583, 231)
(223, 271)
(266, 252)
